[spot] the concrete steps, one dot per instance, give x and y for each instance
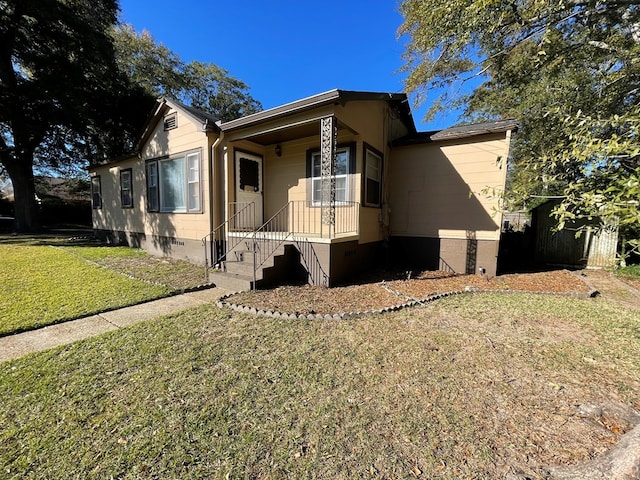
(236, 273)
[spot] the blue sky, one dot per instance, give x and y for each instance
(286, 49)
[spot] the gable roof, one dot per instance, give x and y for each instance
(197, 114)
(206, 120)
(460, 131)
(398, 100)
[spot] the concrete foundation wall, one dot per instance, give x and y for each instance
(180, 248)
(343, 261)
(447, 254)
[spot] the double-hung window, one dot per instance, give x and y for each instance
(173, 184)
(372, 191)
(96, 192)
(343, 168)
(126, 188)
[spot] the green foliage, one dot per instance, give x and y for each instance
(161, 72)
(568, 71)
(62, 100)
(631, 271)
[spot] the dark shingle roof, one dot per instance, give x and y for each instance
(460, 131)
(201, 115)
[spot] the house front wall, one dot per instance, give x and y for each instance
(286, 177)
(445, 202)
(162, 233)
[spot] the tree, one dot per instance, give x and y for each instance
(568, 70)
(161, 72)
(60, 93)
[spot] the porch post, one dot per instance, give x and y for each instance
(328, 147)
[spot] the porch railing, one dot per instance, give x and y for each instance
(301, 217)
(316, 274)
(269, 237)
(297, 219)
(217, 243)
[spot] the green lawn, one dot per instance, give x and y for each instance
(470, 387)
(630, 272)
(42, 285)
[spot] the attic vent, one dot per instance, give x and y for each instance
(170, 121)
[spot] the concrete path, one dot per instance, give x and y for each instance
(612, 288)
(15, 346)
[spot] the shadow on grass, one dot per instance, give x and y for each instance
(72, 236)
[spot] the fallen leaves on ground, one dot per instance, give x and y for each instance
(381, 294)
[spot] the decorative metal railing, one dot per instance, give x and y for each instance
(305, 219)
(269, 237)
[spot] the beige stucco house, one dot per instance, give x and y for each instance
(317, 189)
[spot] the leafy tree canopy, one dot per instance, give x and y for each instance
(75, 87)
(161, 72)
(60, 92)
(569, 71)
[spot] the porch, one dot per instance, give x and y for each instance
(243, 256)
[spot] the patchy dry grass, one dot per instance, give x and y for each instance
(176, 274)
(470, 387)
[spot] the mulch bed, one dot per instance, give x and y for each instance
(380, 294)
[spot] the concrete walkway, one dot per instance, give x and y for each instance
(15, 346)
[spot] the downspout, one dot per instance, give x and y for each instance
(214, 217)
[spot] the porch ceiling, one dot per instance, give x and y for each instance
(287, 132)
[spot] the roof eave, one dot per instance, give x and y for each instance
(457, 133)
(335, 96)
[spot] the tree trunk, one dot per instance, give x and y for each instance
(27, 218)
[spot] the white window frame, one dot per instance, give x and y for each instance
(153, 194)
(96, 192)
(372, 153)
(126, 189)
(194, 192)
(315, 179)
(188, 187)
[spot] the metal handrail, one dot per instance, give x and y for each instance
(312, 264)
(219, 251)
(274, 233)
(294, 218)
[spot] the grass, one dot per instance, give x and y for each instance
(43, 285)
(48, 279)
(629, 272)
(471, 387)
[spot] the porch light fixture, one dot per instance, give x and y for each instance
(278, 150)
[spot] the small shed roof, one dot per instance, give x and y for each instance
(457, 132)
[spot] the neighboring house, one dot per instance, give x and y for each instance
(319, 189)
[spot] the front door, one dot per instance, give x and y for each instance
(249, 181)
